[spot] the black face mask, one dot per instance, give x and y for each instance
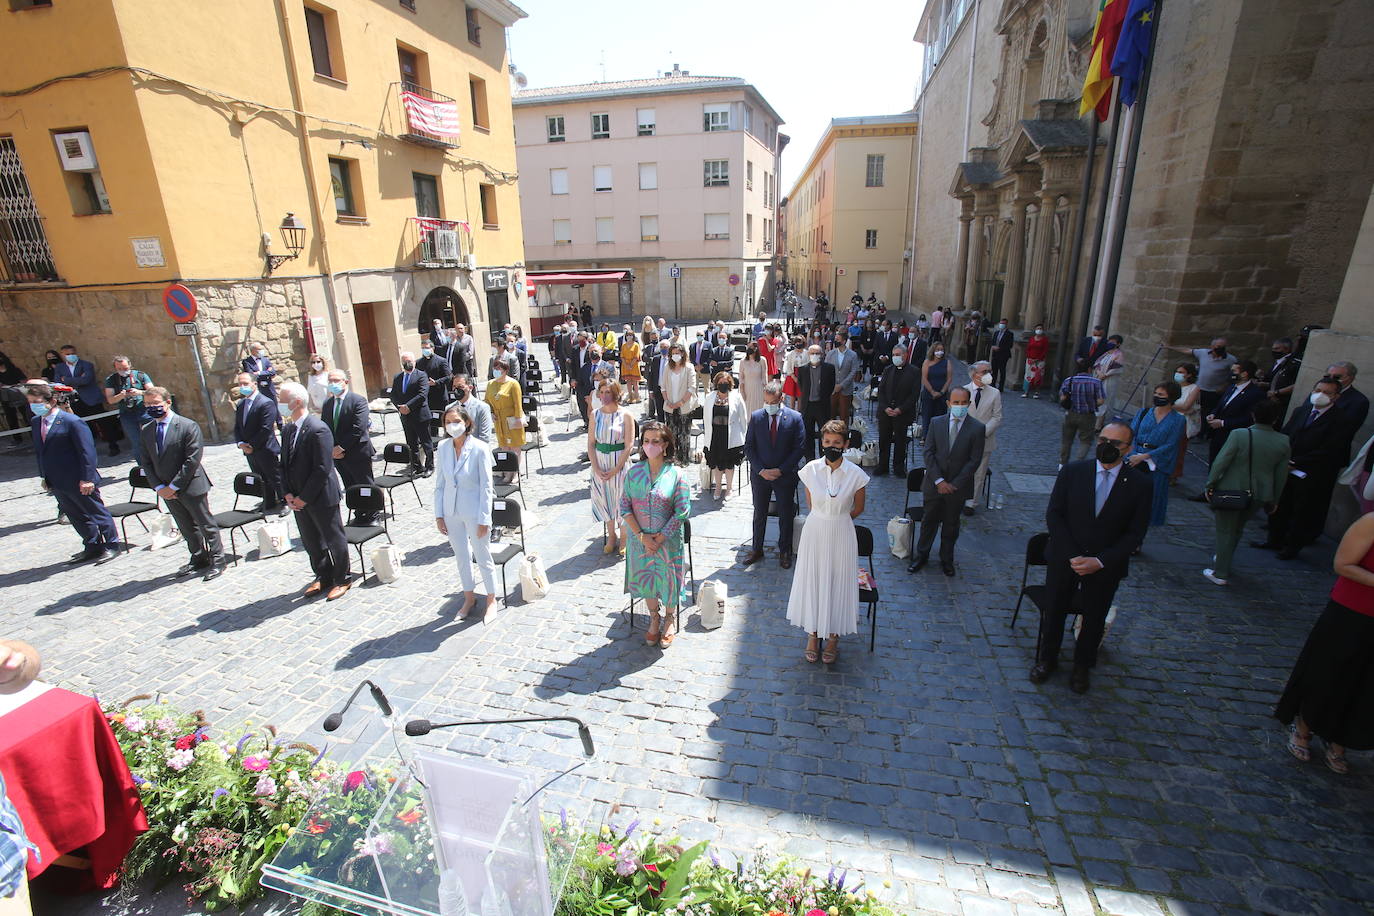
(1278, 354)
(53, 360)
(1108, 453)
(1219, 351)
(1160, 402)
(723, 387)
(1236, 379)
(460, 393)
(832, 454)
(408, 366)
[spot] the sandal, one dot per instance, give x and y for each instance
(813, 644)
(651, 635)
(668, 637)
(1335, 761)
(1300, 751)
(832, 650)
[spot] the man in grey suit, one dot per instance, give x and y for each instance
(953, 451)
(171, 457)
(465, 397)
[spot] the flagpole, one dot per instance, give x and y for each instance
(1128, 178)
(1080, 225)
(1095, 261)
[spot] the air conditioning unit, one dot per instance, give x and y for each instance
(446, 246)
(470, 262)
(75, 151)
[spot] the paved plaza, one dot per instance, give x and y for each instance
(930, 764)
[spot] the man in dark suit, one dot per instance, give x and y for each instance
(1090, 348)
(464, 359)
(1351, 402)
(313, 492)
(65, 451)
(699, 355)
(88, 398)
(722, 358)
(816, 379)
(1098, 514)
(953, 451)
(171, 457)
(586, 376)
(897, 395)
(347, 416)
(883, 345)
(1279, 379)
(655, 381)
(255, 431)
(1003, 340)
(259, 366)
(775, 444)
(1234, 408)
(440, 373)
(438, 336)
(410, 394)
(1319, 439)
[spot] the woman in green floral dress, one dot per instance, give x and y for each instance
(655, 504)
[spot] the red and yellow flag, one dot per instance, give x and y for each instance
(1097, 84)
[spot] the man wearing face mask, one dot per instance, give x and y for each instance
(478, 410)
(257, 364)
(816, 379)
(313, 492)
(1214, 371)
(1233, 409)
(883, 345)
(171, 457)
(898, 393)
(440, 374)
(1002, 342)
(1350, 401)
(1090, 348)
(464, 358)
(586, 379)
(658, 364)
(985, 407)
(255, 431)
(1278, 381)
(89, 399)
(846, 363)
(346, 414)
(1097, 516)
(722, 355)
(1319, 437)
(953, 451)
(775, 444)
(124, 387)
(699, 355)
(410, 394)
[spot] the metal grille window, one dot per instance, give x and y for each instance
(24, 253)
(716, 173)
(601, 126)
(555, 128)
(874, 176)
(870, 238)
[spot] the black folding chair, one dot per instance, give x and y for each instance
(245, 484)
(915, 478)
(505, 514)
(397, 453)
(529, 404)
(856, 439)
(1039, 594)
(868, 596)
(504, 461)
(532, 441)
(691, 573)
(365, 500)
(134, 507)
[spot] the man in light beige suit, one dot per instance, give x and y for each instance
(986, 407)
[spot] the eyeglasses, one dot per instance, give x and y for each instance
(1103, 440)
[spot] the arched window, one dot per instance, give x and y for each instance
(446, 305)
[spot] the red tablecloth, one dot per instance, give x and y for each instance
(68, 780)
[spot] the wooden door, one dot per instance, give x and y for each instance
(365, 323)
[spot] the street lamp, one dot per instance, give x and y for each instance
(293, 235)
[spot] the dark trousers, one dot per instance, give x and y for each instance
(1301, 513)
(815, 414)
(942, 513)
(322, 535)
(1094, 600)
(1216, 438)
(267, 465)
(655, 410)
(582, 403)
(784, 490)
(999, 361)
(892, 434)
(197, 525)
(355, 470)
(1207, 400)
(418, 440)
(88, 516)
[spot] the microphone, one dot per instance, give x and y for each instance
(335, 719)
(417, 727)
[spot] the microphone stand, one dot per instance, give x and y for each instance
(335, 719)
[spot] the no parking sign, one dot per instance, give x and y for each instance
(179, 302)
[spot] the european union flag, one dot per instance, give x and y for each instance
(1133, 48)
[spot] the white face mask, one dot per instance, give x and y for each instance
(1319, 400)
(815, 359)
(317, 366)
(456, 429)
(987, 378)
(898, 359)
(677, 357)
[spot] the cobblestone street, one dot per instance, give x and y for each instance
(932, 765)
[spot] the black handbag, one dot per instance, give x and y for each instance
(1236, 499)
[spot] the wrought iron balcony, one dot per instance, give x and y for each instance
(438, 242)
(428, 118)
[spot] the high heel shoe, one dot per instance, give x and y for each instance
(832, 650)
(651, 635)
(813, 646)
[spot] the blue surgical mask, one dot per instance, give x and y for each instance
(335, 388)
(285, 410)
(772, 409)
(958, 411)
(246, 390)
(426, 352)
(1179, 377)
(157, 412)
(71, 358)
(40, 410)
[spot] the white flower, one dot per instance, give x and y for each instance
(180, 760)
(135, 724)
(266, 785)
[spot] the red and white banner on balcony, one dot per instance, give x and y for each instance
(430, 116)
(426, 224)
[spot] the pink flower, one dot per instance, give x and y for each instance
(256, 764)
(266, 785)
(354, 779)
(815, 913)
(605, 849)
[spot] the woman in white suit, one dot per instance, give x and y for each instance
(463, 494)
(727, 418)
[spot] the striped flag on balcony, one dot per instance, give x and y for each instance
(430, 116)
(427, 224)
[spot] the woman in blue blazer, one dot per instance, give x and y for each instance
(463, 495)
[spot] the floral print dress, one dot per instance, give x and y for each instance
(661, 505)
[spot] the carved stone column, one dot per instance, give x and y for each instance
(1011, 294)
(965, 219)
(1040, 256)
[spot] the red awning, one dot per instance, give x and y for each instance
(560, 277)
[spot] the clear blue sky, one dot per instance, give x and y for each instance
(809, 62)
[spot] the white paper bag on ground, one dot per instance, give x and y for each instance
(711, 600)
(868, 458)
(854, 455)
(534, 580)
(861, 425)
(899, 534)
(274, 539)
(163, 531)
(858, 403)
(705, 478)
(1106, 627)
(386, 563)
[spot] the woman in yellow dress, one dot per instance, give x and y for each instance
(629, 365)
(507, 414)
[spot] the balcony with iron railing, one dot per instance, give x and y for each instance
(437, 243)
(427, 118)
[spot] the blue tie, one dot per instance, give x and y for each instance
(161, 434)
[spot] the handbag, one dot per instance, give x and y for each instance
(705, 477)
(899, 534)
(386, 563)
(274, 539)
(534, 580)
(163, 531)
(711, 601)
(1237, 499)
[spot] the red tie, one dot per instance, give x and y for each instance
(773, 430)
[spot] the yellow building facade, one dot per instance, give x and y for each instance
(149, 142)
(849, 216)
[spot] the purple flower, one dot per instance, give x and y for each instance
(319, 757)
(139, 780)
(238, 748)
(563, 817)
(629, 831)
(219, 793)
(627, 864)
(379, 845)
(715, 859)
(830, 878)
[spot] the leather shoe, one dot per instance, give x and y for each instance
(214, 572)
(1041, 672)
(313, 589)
(947, 568)
(1078, 680)
(190, 569)
(105, 556)
(919, 563)
(753, 558)
(337, 591)
(785, 561)
(1264, 545)
(427, 472)
(85, 556)
(968, 511)
(899, 470)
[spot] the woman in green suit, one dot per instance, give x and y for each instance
(1253, 459)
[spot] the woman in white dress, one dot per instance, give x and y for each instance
(753, 372)
(825, 587)
(318, 383)
(611, 432)
(1189, 405)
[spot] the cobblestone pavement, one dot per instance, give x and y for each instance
(931, 763)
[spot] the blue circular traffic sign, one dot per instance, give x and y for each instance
(179, 302)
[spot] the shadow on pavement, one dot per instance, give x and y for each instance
(420, 639)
